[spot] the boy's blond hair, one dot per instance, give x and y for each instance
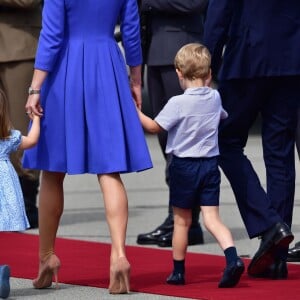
(193, 61)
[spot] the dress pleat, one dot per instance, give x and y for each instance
(90, 122)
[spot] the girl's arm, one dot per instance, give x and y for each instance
(33, 135)
(148, 124)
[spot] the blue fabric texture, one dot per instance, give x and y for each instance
(192, 120)
(12, 210)
(90, 123)
(194, 182)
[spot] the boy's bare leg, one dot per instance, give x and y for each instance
(182, 223)
(215, 226)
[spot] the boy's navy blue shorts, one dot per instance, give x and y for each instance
(194, 182)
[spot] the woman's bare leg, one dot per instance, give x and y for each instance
(51, 204)
(116, 209)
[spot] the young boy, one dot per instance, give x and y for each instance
(192, 121)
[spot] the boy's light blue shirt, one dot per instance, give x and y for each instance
(192, 120)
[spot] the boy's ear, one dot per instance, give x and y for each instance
(179, 74)
(208, 79)
(209, 74)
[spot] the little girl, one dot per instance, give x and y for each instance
(12, 210)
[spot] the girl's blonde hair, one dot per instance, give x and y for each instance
(193, 61)
(5, 124)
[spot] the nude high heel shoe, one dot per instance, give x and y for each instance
(48, 269)
(120, 277)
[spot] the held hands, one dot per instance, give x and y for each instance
(136, 85)
(33, 106)
(34, 118)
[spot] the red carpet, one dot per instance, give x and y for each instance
(86, 263)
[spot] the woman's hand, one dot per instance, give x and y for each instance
(33, 106)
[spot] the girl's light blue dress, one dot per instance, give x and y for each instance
(12, 209)
(90, 123)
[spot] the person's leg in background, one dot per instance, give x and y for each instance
(259, 211)
(15, 79)
(298, 132)
(279, 120)
(162, 85)
(294, 252)
(278, 133)
(243, 106)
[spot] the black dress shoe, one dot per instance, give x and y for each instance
(195, 237)
(294, 253)
(151, 238)
(232, 274)
(278, 270)
(279, 235)
(165, 240)
(176, 278)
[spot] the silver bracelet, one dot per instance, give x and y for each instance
(32, 91)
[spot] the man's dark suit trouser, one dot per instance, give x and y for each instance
(163, 84)
(275, 98)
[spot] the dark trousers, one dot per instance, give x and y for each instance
(275, 99)
(298, 131)
(163, 84)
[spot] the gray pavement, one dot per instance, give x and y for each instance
(84, 219)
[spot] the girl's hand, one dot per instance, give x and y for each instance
(34, 118)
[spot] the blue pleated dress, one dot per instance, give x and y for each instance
(90, 123)
(12, 210)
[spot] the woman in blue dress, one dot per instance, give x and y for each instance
(90, 125)
(12, 209)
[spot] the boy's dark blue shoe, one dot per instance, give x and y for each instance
(176, 278)
(232, 274)
(4, 281)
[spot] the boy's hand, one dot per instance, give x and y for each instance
(136, 91)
